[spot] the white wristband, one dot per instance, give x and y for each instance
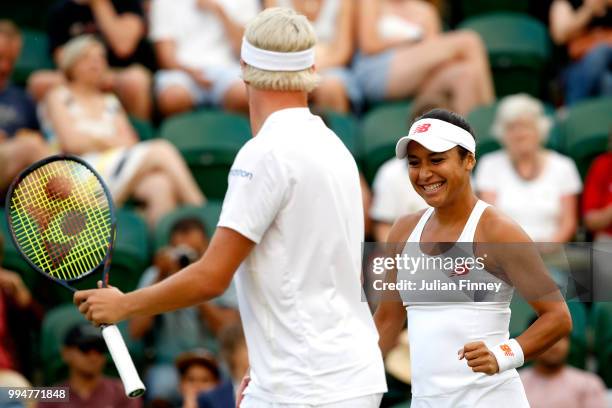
(509, 355)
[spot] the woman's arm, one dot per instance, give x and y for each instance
(340, 51)
(125, 133)
(70, 138)
(122, 31)
(599, 219)
(567, 23)
(568, 219)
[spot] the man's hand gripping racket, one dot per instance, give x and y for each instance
(62, 221)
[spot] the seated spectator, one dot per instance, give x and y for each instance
(120, 25)
(234, 352)
(584, 28)
(83, 352)
(201, 384)
(333, 21)
(20, 142)
(404, 53)
(552, 383)
(597, 196)
(88, 122)
(185, 329)
(14, 295)
(197, 45)
(13, 379)
(536, 187)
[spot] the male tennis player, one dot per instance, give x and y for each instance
(292, 223)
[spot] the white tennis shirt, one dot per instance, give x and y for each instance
(294, 191)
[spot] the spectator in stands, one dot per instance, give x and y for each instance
(197, 45)
(393, 199)
(184, 329)
(88, 122)
(83, 352)
(20, 142)
(552, 383)
(234, 352)
(120, 25)
(201, 384)
(13, 295)
(585, 29)
(403, 53)
(12, 379)
(333, 21)
(535, 186)
(597, 196)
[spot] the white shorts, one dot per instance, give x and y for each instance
(367, 401)
(222, 79)
(509, 394)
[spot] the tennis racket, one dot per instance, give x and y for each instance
(62, 221)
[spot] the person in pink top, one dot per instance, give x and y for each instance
(550, 382)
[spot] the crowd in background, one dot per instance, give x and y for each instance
(152, 59)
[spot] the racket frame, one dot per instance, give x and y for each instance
(106, 261)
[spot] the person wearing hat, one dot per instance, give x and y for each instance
(84, 354)
(460, 351)
(292, 225)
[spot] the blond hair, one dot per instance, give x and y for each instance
(281, 30)
(74, 50)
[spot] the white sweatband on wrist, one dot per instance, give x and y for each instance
(276, 61)
(509, 355)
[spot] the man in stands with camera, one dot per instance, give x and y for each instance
(172, 333)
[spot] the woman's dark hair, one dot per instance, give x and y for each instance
(454, 119)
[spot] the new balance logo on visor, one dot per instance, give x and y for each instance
(422, 128)
(507, 350)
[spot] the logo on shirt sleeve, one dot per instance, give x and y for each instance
(241, 173)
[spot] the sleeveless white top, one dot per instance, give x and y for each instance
(326, 22)
(442, 322)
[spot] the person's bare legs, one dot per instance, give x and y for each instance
(158, 194)
(133, 87)
(174, 99)
(42, 81)
(331, 94)
(235, 98)
(456, 82)
(163, 157)
(412, 65)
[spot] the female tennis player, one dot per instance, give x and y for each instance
(293, 218)
(461, 354)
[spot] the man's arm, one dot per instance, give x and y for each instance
(122, 31)
(205, 279)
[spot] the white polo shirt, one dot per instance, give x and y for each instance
(294, 190)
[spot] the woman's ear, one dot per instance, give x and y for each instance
(471, 161)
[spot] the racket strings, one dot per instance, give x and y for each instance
(61, 219)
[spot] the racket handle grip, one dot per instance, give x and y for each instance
(125, 366)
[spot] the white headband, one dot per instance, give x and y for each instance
(276, 61)
(435, 135)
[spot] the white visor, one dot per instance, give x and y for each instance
(435, 135)
(276, 61)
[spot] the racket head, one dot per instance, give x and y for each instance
(61, 218)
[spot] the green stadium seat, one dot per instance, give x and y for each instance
(380, 130)
(470, 8)
(602, 325)
(519, 50)
(55, 327)
(209, 141)
(209, 215)
(584, 131)
(31, 13)
(346, 127)
(34, 55)
(144, 128)
(521, 317)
